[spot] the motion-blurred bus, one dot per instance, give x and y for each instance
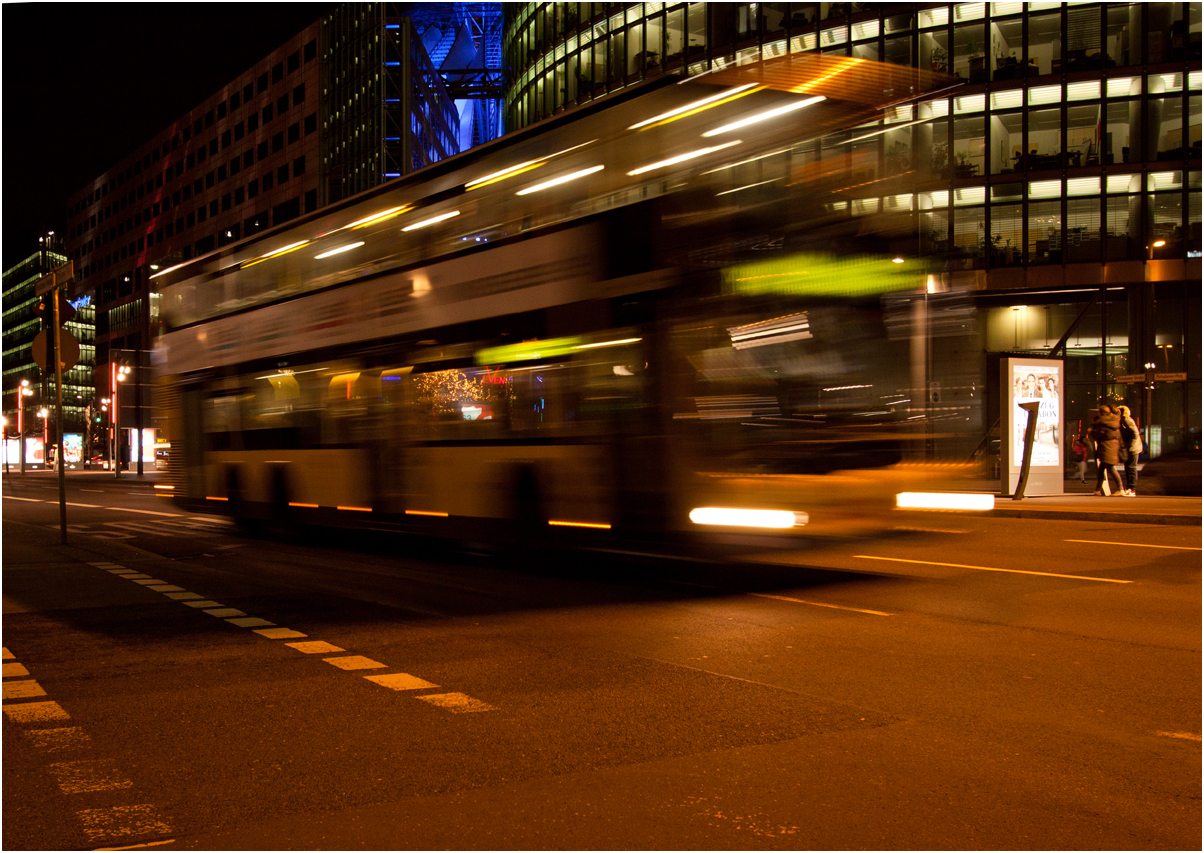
(636, 322)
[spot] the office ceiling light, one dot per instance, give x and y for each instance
(563, 179)
(765, 116)
(698, 106)
(425, 222)
(681, 158)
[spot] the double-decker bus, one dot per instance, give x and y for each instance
(638, 321)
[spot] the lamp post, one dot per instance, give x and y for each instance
(44, 414)
(117, 375)
(104, 408)
(4, 433)
(25, 391)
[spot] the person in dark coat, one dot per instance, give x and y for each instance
(1130, 448)
(1105, 436)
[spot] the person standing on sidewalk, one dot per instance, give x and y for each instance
(1105, 436)
(1130, 449)
(1080, 455)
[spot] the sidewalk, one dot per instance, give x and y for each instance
(1078, 502)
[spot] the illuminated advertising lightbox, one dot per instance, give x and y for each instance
(148, 444)
(73, 447)
(33, 451)
(1031, 381)
(12, 451)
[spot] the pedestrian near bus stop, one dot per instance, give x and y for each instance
(1130, 449)
(1081, 455)
(1105, 436)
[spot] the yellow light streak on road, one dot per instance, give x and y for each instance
(988, 569)
(818, 604)
(1133, 544)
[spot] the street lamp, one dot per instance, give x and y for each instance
(117, 375)
(44, 414)
(25, 391)
(104, 408)
(4, 438)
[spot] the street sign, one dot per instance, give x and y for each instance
(1130, 378)
(1171, 377)
(45, 310)
(69, 356)
(57, 276)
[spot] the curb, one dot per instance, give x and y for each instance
(1115, 517)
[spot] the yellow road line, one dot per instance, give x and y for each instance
(818, 604)
(989, 569)
(1180, 735)
(1133, 544)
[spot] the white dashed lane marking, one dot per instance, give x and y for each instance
(35, 712)
(354, 662)
(315, 647)
(83, 777)
(458, 703)
(15, 670)
(122, 822)
(59, 740)
(22, 690)
(400, 681)
(280, 633)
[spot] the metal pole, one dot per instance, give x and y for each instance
(21, 427)
(58, 426)
(116, 422)
(137, 374)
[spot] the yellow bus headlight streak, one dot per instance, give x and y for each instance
(525, 166)
(157, 486)
(306, 506)
(283, 250)
(355, 508)
(563, 179)
(609, 343)
(425, 222)
(379, 217)
(339, 250)
(503, 174)
(591, 524)
(765, 116)
(698, 106)
(944, 500)
(773, 519)
(169, 269)
(681, 158)
(426, 512)
(212, 498)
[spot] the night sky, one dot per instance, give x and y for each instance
(86, 83)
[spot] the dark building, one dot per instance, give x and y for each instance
(351, 101)
(1062, 176)
(22, 324)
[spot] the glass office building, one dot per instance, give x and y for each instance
(1056, 190)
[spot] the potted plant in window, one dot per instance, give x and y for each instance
(978, 62)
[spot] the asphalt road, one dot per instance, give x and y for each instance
(959, 683)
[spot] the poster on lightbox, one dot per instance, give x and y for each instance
(1037, 383)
